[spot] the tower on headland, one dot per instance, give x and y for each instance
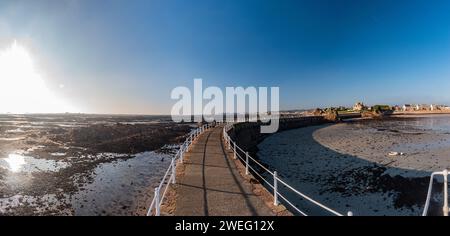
(359, 106)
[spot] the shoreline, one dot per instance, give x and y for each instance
(421, 112)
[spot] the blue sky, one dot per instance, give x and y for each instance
(126, 56)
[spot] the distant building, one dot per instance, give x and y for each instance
(421, 107)
(407, 107)
(434, 107)
(417, 107)
(359, 106)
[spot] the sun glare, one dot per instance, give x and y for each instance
(22, 89)
(15, 162)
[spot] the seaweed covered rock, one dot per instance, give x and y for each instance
(317, 112)
(332, 115)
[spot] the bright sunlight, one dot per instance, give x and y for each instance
(22, 90)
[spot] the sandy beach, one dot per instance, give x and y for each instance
(424, 148)
(348, 166)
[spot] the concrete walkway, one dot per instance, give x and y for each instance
(212, 185)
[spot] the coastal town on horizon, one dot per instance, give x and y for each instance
(360, 107)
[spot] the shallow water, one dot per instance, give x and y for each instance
(121, 187)
(43, 173)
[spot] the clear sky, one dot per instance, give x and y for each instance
(126, 56)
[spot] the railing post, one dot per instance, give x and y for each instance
(181, 153)
(445, 208)
(275, 189)
(246, 163)
(174, 172)
(234, 151)
(157, 212)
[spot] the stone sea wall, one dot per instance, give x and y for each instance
(248, 135)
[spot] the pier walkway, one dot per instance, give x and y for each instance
(211, 184)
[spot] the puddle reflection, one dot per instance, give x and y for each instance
(15, 162)
(19, 163)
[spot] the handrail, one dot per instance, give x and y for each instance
(445, 208)
(276, 180)
(170, 175)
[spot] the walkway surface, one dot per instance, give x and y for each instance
(212, 185)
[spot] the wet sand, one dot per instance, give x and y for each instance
(424, 149)
(83, 164)
(347, 166)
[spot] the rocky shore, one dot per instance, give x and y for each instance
(82, 164)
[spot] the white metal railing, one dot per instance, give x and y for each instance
(239, 153)
(445, 208)
(170, 175)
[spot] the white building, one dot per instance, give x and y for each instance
(422, 107)
(359, 106)
(407, 107)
